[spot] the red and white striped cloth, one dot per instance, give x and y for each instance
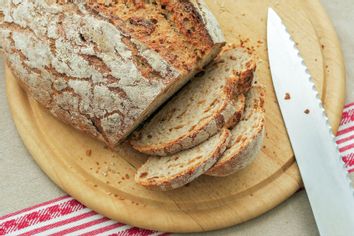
(345, 137)
(66, 216)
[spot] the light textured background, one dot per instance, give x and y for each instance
(23, 184)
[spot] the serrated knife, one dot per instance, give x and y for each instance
(326, 182)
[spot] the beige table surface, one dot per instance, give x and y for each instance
(23, 184)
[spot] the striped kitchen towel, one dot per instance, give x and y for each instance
(345, 137)
(65, 215)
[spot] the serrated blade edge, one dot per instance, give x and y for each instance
(310, 134)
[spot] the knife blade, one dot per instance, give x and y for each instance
(326, 182)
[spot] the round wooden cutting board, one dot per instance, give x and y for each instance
(103, 180)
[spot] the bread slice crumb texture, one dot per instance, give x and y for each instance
(174, 171)
(246, 136)
(201, 108)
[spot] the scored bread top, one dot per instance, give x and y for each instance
(201, 108)
(104, 66)
(175, 24)
(170, 172)
(246, 136)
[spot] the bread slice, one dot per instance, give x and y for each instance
(204, 106)
(170, 172)
(246, 137)
(103, 66)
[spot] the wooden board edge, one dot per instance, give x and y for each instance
(194, 223)
(330, 46)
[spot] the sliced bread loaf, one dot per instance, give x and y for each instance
(103, 66)
(170, 172)
(208, 103)
(246, 136)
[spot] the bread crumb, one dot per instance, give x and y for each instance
(143, 175)
(287, 96)
(88, 152)
(307, 111)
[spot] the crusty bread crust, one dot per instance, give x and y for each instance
(151, 139)
(228, 115)
(244, 147)
(238, 107)
(216, 145)
(98, 70)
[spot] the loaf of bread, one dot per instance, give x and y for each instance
(246, 136)
(174, 171)
(103, 66)
(202, 108)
